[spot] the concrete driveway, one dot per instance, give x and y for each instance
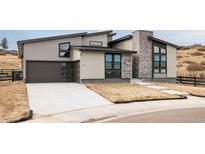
(52, 98)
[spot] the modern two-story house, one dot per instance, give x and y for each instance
(86, 56)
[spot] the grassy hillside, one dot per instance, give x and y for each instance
(9, 61)
(191, 61)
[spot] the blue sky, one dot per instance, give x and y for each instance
(179, 37)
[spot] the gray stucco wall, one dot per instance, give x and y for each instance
(171, 62)
(126, 45)
(101, 38)
(142, 67)
(92, 65)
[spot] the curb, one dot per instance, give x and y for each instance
(197, 95)
(180, 97)
(28, 117)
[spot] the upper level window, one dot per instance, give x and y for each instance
(64, 49)
(163, 50)
(160, 59)
(156, 49)
(96, 43)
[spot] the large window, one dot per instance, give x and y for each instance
(64, 49)
(112, 65)
(160, 59)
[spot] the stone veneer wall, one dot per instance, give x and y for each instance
(126, 65)
(135, 66)
(142, 61)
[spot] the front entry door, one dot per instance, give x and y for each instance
(113, 65)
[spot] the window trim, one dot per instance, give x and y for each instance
(113, 62)
(161, 46)
(101, 43)
(59, 50)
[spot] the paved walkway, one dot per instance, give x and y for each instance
(162, 89)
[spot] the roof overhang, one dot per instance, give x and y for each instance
(164, 42)
(104, 49)
(112, 34)
(124, 38)
(51, 38)
(99, 33)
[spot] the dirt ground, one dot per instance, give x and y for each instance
(198, 91)
(127, 92)
(13, 101)
(9, 61)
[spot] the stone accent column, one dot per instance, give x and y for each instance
(142, 61)
(126, 66)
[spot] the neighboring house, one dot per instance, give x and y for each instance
(85, 56)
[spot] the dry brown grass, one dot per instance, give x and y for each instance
(2, 53)
(127, 92)
(199, 91)
(202, 63)
(10, 61)
(185, 48)
(178, 56)
(195, 67)
(197, 53)
(187, 58)
(13, 101)
(201, 49)
(189, 62)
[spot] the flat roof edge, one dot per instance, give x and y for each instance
(93, 48)
(98, 33)
(50, 38)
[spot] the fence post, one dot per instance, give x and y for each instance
(195, 81)
(180, 79)
(12, 76)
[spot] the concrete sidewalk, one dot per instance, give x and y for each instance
(116, 110)
(160, 88)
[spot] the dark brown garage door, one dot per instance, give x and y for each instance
(48, 71)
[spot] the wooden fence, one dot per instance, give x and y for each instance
(191, 80)
(10, 75)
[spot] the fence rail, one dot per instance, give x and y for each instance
(191, 80)
(10, 75)
(8, 70)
